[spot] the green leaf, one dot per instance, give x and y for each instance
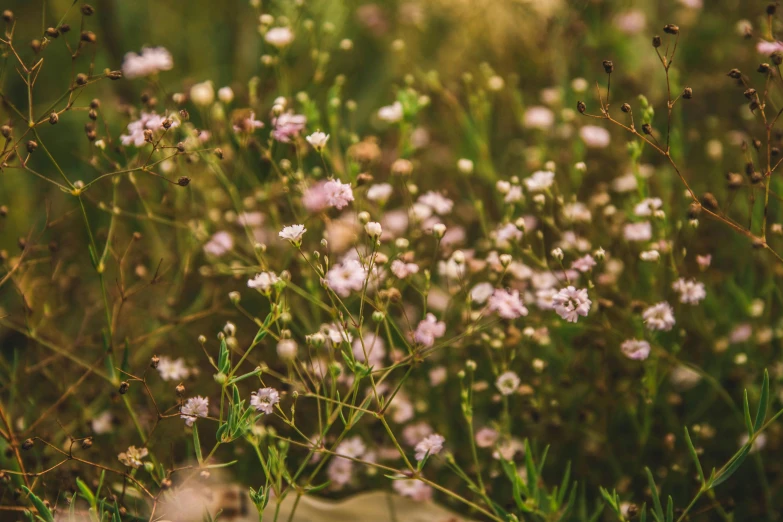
(43, 511)
(197, 444)
(658, 509)
(761, 413)
(670, 510)
(746, 409)
(694, 455)
(86, 492)
(734, 464)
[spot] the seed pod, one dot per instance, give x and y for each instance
(114, 75)
(95, 103)
(81, 79)
(749, 168)
(734, 179)
(87, 443)
(165, 483)
(608, 66)
(219, 153)
(8, 16)
(625, 107)
(88, 36)
(184, 181)
(88, 10)
(580, 106)
(180, 389)
(777, 57)
(185, 115)
(756, 143)
(35, 45)
(181, 147)
(92, 115)
(756, 177)
(763, 68)
(124, 385)
(27, 444)
(65, 28)
(154, 361)
(54, 118)
(166, 124)
(148, 135)
(3, 211)
(656, 41)
(709, 201)
(51, 32)
(687, 93)
(694, 209)
(734, 73)
(647, 128)
(5, 130)
(31, 146)
(750, 93)
(671, 29)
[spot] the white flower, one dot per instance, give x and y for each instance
(465, 166)
(132, 457)
(638, 231)
(691, 291)
(151, 61)
(279, 36)
(437, 202)
(219, 244)
(346, 277)
(514, 194)
(481, 292)
(506, 235)
(193, 408)
(577, 212)
(225, 94)
(430, 445)
(650, 255)
(584, 263)
(203, 93)
(102, 423)
(507, 304)
(264, 400)
(352, 447)
(370, 348)
(594, 136)
(318, 140)
(570, 303)
(538, 117)
(172, 369)
(647, 207)
(287, 349)
(539, 180)
(635, 349)
(263, 282)
(507, 383)
(412, 488)
(659, 317)
(380, 192)
(293, 233)
(338, 194)
(391, 113)
(428, 330)
(373, 229)
(401, 269)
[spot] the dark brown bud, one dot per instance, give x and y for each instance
(95, 103)
(148, 135)
(165, 483)
(756, 143)
(771, 9)
(114, 75)
(65, 28)
(671, 29)
(656, 41)
(734, 73)
(763, 68)
(185, 115)
(88, 36)
(180, 389)
(88, 10)
(608, 66)
(625, 107)
(54, 118)
(155, 361)
(92, 135)
(51, 32)
(735, 180)
(35, 45)
(124, 385)
(3, 211)
(92, 115)
(709, 201)
(166, 124)
(5, 130)
(758, 243)
(31, 146)
(750, 93)
(21, 243)
(181, 147)
(219, 153)
(749, 168)
(581, 107)
(647, 128)
(87, 443)
(364, 178)
(774, 151)
(27, 444)
(8, 16)
(81, 79)
(687, 93)
(632, 510)
(756, 177)
(183, 181)
(777, 57)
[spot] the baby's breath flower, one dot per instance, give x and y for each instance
(373, 229)
(507, 383)
(151, 61)
(264, 400)
(133, 457)
(659, 317)
(318, 140)
(202, 94)
(279, 37)
(690, 290)
(635, 349)
(570, 303)
(391, 113)
(293, 233)
(507, 304)
(430, 445)
(193, 408)
(428, 330)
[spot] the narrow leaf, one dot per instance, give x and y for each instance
(761, 413)
(694, 455)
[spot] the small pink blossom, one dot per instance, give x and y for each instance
(428, 330)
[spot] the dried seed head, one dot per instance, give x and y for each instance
(580, 106)
(763, 68)
(625, 107)
(774, 151)
(154, 361)
(3, 211)
(148, 135)
(183, 181)
(92, 115)
(734, 73)
(54, 118)
(114, 75)
(756, 143)
(734, 179)
(65, 28)
(8, 16)
(51, 32)
(87, 443)
(777, 57)
(749, 168)
(687, 93)
(647, 128)
(185, 115)
(124, 385)
(608, 66)
(709, 201)
(81, 79)
(656, 41)
(771, 9)
(27, 444)
(95, 103)
(180, 389)
(31, 146)
(165, 483)
(750, 93)
(5, 130)
(756, 177)
(88, 10)
(92, 135)
(219, 153)
(671, 29)
(88, 36)
(35, 45)
(694, 209)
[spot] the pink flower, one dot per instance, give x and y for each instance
(287, 126)
(584, 264)
(659, 317)
(638, 231)
(635, 349)
(430, 445)
(428, 330)
(767, 48)
(570, 303)
(507, 304)
(346, 277)
(338, 194)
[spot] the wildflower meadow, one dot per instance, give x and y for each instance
(391, 260)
